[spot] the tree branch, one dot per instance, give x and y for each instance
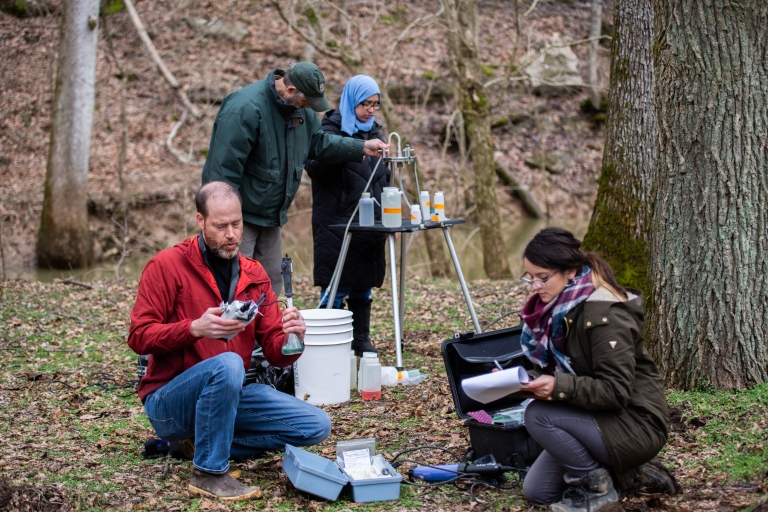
(186, 160)
(157, 60)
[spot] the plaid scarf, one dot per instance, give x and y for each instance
(543, 329)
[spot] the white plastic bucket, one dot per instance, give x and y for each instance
(326, 316)
(321, 374)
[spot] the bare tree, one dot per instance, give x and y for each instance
(461, 16)
(707, 311)
(621, 219)
(594, 35)
(64, 239)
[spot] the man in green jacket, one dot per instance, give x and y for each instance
(261, 138)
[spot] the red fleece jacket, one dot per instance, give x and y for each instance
(177, 287)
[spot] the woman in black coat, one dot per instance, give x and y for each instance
(336, 190)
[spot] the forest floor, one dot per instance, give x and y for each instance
(160, 188)
(72, 427)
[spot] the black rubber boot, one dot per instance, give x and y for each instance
(361, 326)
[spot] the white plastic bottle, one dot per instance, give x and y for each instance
(368, 357)
(415, 214)
(371, 386)
(366, 209)
(390, 376)
(440, 206)
(424, 204)
(391, 210)
(352, 370)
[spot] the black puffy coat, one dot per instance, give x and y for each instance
(336, 190)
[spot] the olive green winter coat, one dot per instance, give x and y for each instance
(616, 379)
(259, 146)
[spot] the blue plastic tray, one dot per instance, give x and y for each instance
(375, 489)
(313, 474)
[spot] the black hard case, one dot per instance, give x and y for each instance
(468, 355)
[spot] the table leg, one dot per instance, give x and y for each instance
(461, 280)
(402, 284)
(395, 305)
(343, 258)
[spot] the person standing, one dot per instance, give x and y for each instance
(261, 138)
(336, 190)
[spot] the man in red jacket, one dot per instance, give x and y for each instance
(193, 387)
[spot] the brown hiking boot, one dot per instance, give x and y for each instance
(592, 493)
(653, 478)
(223, 487)
(187, 447)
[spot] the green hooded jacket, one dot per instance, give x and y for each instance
(616, 379)
(259, 146)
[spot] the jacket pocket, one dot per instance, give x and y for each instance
(264, 174)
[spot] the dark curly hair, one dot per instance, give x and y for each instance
(557, 249)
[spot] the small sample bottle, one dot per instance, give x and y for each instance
(432, 214)
(366, 210)
(440, 206)
(352, 370)
(368, 357)
(391, 210)
(371, 387)
(424, 203)
(415, 214)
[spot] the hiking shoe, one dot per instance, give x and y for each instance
(223, 487)
(653, 478)
(592, 493)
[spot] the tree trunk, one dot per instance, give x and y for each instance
(707, 311)
(594, 45)
(621, 218)
(64, 239)
(462, 43)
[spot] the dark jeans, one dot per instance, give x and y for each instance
(265, 245)
(209, 403)
(572, 444)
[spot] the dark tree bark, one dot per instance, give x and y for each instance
(709, 242)
(620, 224)
(463, 46)
(64, 239)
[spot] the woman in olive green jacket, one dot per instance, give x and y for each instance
(600, 402)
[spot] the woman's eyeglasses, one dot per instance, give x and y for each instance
(368, 105)
(528, 279)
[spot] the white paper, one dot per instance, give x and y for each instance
(354, 458)
(493, 386)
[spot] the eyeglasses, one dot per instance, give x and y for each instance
(536, 283)
(368, 105)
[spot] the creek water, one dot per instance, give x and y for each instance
(466, 240)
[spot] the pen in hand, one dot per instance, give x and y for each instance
(497, 365)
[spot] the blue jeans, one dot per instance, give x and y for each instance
(361, 294)
(209, 403)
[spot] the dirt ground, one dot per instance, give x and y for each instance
(160, 187)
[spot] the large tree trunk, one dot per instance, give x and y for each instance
(64, 239)
(620, 224)
(709, 244)
(463, 45)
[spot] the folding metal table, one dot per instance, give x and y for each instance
(398, 306)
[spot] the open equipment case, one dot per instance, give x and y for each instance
(469, 355)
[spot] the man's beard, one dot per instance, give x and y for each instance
(218, 249)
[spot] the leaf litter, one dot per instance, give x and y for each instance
(72, 427)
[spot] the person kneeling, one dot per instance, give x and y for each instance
(601, 408)
(193, 388)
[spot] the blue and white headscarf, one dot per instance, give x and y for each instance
(357, 90)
